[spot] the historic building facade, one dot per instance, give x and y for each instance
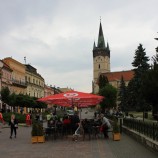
(101, 65)
(21, 79)
(35, 82)
(18, 75)
(6, 77)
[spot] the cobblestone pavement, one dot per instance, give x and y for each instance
(21, 147)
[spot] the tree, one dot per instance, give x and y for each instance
(110, 94)
(103, 81)
(21, 100)
(140, 62)
(12, 100)
(5, 92)
(150, 84)
(131, 96)
(141, 66)
(122, 95)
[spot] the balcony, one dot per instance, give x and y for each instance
(19, 83)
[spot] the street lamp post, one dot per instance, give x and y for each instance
(1, 65)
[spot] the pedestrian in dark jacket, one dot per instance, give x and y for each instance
(13, 126)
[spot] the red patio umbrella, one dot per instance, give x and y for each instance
(73, 98)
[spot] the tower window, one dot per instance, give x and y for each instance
(99, 66)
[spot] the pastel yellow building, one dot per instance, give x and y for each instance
(18, 75)
(35, 82)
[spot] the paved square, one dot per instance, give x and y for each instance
(21, 147)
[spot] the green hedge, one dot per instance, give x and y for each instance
(20, 117)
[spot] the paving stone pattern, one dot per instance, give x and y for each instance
(21, 147)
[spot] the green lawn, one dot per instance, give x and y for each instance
(140, 115)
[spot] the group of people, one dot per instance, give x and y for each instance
(71, 121)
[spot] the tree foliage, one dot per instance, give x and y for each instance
(21, 100)
(122, 95)
(5, 92)
(150, 84)
(103, 81)
(110, 94)
(141, 66)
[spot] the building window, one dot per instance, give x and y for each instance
(99, 66)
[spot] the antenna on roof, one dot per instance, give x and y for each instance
(25, 59)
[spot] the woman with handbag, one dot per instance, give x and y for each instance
(13, 126)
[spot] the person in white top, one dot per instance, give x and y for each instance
(105, 125)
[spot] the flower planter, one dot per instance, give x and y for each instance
(116, 136)
(41, 139)
(34, 139)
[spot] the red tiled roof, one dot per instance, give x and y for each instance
(113, 76)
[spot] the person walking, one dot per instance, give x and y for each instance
(28, 119)
(13, 126)
(1, 120)
(105, 125)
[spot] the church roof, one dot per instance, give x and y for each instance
(116, 76)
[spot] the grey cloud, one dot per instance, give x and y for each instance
(57, 36)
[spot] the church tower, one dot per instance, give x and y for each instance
(101, 59)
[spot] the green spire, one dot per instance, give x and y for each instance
(101, 43)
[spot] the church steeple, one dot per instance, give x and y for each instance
(94, 45)
(101, 58)
(101, 48)
(101, 42)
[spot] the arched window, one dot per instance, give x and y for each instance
(99, 66)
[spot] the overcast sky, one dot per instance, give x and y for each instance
(57, 36)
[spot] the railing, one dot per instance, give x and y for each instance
(148, 129)
(18, 82)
